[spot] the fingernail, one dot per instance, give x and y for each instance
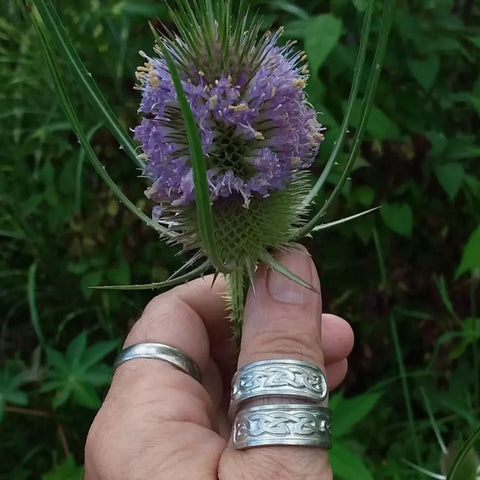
(284, 290)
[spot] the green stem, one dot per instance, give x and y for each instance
(406, 392)
(237, 294)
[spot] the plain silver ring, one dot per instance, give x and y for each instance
(283, 378)
(283, 424)
(159, 351)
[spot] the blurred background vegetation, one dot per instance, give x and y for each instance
(407, 278)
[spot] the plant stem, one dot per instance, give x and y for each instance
(406, 392)
(237, 293)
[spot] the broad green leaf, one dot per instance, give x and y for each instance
(350, 411)
(346, 464)
(471, 254)
(425, 71)
(381, 127)
(451, 177)
(398, 217)
(322, 33)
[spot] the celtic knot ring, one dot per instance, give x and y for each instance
(287, 378)
(283, 424)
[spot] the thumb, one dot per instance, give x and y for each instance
(282, 320)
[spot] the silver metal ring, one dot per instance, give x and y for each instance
(278, 377)
(283, 424)
(159, 351)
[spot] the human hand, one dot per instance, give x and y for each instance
(159, 423)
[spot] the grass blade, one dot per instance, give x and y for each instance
(59, 37)
(367, 104)
(32, 304)
(79, 131)
(357, 77)
(167, 283)
(202, 197)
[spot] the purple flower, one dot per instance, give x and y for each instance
(257, 129)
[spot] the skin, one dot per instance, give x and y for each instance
(159, 423)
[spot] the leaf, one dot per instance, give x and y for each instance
(382, 127)
(76, 349)
(350, 411)
(346, 464)
(89, 280)
(451, 177)
(398, 217)
(425, 71)
(197, 160)
(471, 254)
(322, 34)
(97, 352)
(67, 470)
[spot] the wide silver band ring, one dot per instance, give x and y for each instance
(283, 424)
(294, 379)
(159, 351)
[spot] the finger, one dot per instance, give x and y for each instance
(337, 338)
(154, 413)
(282, 320)
(336, 373)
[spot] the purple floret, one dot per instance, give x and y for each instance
(257, 132)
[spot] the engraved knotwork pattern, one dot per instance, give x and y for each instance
(296, 423)
(281, 378)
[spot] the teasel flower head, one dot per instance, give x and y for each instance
(259, 135)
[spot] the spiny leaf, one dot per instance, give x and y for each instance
(167, 283)
(326, 226)
(278, 267)
(202, 196)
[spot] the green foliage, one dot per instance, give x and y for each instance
(62, 231)
(77, 372)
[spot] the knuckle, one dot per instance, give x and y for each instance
(301, 345)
